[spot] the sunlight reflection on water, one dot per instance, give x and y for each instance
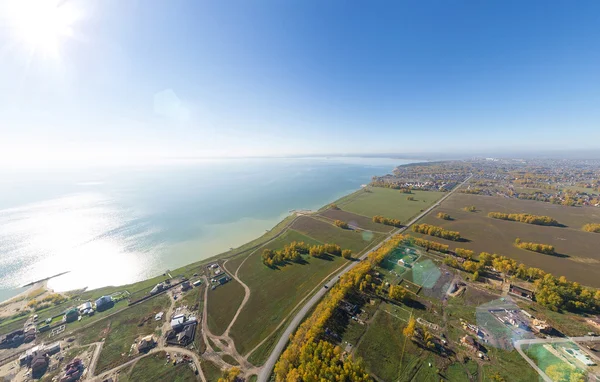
(86, 234)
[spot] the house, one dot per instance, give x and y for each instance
(470, 343)
(221, 280)
(73, 371)
(84, 307)
(158, 288)
(177, 321)
(12, 339)
(350, 308)
(39, 364)
(197, 283)
(29, 334)
(186, 336)
(146, 344)
(185, 286)
(594, 321)
(71, 315)
(521, 292)
(104, 303)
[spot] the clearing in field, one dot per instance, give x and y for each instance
(275, 292)
(328, 233)
(580, 261)
(371, 201)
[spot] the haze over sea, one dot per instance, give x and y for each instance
(116, 226)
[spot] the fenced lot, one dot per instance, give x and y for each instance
(400, 259)
(424, 273)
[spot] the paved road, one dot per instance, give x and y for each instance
(518, 344)
(267, 368)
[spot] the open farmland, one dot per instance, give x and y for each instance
(578, 259)
(355, 220)
(371, 201)
(223, 302)
(275, 292)
(328, 233)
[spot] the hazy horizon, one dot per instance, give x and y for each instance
(137, 82)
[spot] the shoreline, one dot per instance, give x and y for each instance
(186, 250)
(44, 279)
(31, 287)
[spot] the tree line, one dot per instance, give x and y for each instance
(592, 228)
(428, 244)
(340, 223)
(561, 294)
(525, 218)
(432, 230)
(387, 221)
(554, 293)
(294, 251)
(418, 334)
(299, 356)
(546, 249)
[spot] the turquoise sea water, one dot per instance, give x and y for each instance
(116, 226)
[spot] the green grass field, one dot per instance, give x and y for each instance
(260, 355)
(223, 302)
(211, 371)
(390, 203)
(275, 292)
(381, 349)
(362, 222)
(155, 367)
(191, 297)
(120, 330)
(328, 233)
(509, 365)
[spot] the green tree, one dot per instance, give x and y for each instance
(397, 293)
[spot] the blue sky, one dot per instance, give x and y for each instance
(117, 80)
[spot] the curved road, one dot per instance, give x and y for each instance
(267, 368)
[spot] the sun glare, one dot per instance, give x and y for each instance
(42, 24)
